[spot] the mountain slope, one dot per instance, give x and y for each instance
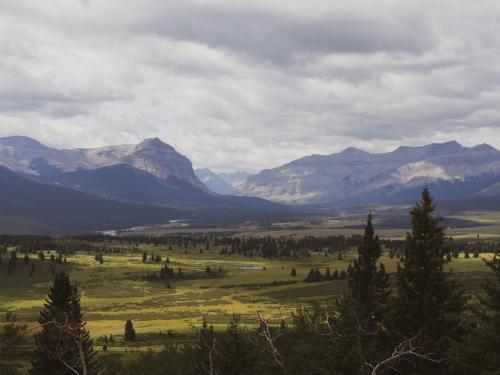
(213, 181)
(29, 206)
(236, 178)
(150, 172)
(126, 183)
(152, 156)
(356, 176)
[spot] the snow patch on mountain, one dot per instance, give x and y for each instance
(424, 169)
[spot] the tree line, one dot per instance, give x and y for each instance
(227, 244)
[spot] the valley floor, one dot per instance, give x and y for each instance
(114, 291)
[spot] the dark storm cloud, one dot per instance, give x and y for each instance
(250, 85)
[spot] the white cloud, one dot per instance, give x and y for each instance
(250, 85)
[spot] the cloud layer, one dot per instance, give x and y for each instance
(250, 85)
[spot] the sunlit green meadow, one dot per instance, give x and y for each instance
(115, 291)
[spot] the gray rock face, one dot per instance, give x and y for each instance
(236, 178)
(213, 181)
(222, 183)
(355, 175)
(152, 155)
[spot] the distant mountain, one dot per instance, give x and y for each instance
(236, 178)
(151, 172)
(213, 181)
(222, 183)
(27, 206)
(152, 155)
(354, 176)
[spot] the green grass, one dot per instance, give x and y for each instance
(114, 291)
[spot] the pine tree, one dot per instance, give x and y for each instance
(129, 331)
(205, 350)
(361, 336)
(429, 303)
(32, 270)
(235, 351)
(481, 350)
(369, 284)
(328, 275)
(63, 339)
(491, 318)
(12, 263)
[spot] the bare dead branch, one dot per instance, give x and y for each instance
(404, 351)
(271, 338)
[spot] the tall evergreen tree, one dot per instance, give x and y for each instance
(368, 283)
(236, 354)
(492, 319)
(12, 263)
(482, 355)
(360, 336)
(429, 303)
(63, 339)
(129, 331)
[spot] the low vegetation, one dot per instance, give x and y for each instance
(225, 304)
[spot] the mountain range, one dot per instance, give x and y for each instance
(150, 182)
(152, 174)
(353, 176)
(28, 156)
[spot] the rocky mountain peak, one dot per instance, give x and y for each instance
(484, 147)
(155, 143)
(152, 155)
(433, 147)
(351, 153)
(21, 142)
(352, 150)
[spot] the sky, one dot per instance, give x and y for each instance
(251, 85)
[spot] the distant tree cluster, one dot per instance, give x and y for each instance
(153, 258)
(171, 274)
(274, 247)
(315, 275)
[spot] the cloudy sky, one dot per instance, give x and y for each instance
(250, 85)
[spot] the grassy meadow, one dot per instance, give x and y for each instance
(115, 291)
